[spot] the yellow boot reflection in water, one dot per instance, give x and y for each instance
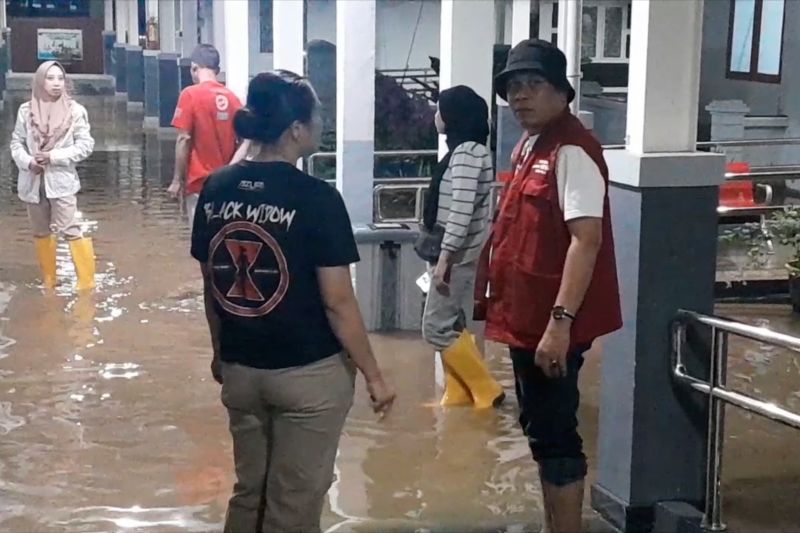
(81, 328)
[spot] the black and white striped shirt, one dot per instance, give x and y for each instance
(464, 198)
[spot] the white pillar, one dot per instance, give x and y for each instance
(355, 105)
(664, 76)
(108, 14)
(520, 21)
(467, 43)
(236, 61)
(288, 36)
(218, 29)
(4, 20)
(467, 47)
(189, 26)
(167, 28)
(569, 41)
(133, 22)
(121, 20)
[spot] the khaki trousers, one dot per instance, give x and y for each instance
(285, 426)
(54, 215)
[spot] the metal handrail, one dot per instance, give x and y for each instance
(719, 395)
(730, 143)
(312, 159)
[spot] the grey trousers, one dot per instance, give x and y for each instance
(285, 426)
(446, 317)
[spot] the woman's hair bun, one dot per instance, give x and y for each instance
(275, 100)
(248, 124)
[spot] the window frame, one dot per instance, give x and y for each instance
(549, 32)
(755, 47)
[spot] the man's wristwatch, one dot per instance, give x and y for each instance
(560, 313)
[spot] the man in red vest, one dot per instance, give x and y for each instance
(552, 277)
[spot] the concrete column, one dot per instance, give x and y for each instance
(355, 106)
(108, 14)
(569, 41)
(236, 61)
(185, 72)
(121, 68)
(151, 89)
(168, 87)
(121, 20)
(663, 84)
(520, 21)
(133, 22)
(135, 76)
(467, 46)
(189, 37)
(508, 129)
(664, 197)
(288, 36)
(167, 27)
(218, 22)
(109, 38)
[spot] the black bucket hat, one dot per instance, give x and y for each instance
(542, 57)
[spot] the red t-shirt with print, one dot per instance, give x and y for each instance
(206, 111)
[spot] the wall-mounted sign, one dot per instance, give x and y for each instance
(60, 45)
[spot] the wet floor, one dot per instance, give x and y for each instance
(109, 420)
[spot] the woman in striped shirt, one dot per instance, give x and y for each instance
(458, 206)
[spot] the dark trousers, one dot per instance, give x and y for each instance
(549, 416)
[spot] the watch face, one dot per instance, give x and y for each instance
(558, 313)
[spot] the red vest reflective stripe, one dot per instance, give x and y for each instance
(529, 247)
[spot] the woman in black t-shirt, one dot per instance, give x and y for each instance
(275, 246)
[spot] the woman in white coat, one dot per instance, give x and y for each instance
(51, 136)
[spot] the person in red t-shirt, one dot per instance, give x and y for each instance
(204, 119)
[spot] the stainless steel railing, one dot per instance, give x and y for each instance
(313, 159)
(720, 395)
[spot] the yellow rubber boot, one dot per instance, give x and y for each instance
(455, 392)
(46, 254)
(466, 362)
(83, 257)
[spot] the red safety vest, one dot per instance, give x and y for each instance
(529, 247)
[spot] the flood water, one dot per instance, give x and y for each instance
(110, 421)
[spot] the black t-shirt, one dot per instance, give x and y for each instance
(264, 229)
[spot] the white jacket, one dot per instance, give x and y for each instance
(60, 176)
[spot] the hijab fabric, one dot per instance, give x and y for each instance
(50, 120)
(466, 118)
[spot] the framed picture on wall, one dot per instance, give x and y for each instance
(59, 45)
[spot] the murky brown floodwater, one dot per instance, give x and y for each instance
(109, 420)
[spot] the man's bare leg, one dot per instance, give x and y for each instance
(563, 507)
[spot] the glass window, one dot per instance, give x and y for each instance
(756, 40)
(613, 32)
(769, 50)
(742, 39)
(589, 32)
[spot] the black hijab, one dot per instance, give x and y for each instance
(466, 118)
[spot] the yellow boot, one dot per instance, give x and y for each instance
(46, 254)
(466, 362)
(83, 257)
(455, 392)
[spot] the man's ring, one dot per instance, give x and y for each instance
(553, 362)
